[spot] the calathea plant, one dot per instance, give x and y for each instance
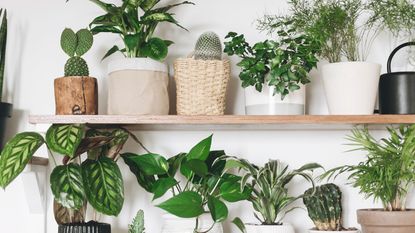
(76, 45)
(97, 180)
(135, 22)
(283, 63)
(207, 185)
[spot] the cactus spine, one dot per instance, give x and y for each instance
(208, 47)
(76, 45)
(324, 207)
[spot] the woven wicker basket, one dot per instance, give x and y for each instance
(201, 86)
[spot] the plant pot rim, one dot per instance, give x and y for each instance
(397, 73)
(138, 63)
(352, 229)
(63, 77)
(377, 210)
(90, 223)
(352, 63)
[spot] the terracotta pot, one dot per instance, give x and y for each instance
(76, 95)
(285, 228)
(380, 221)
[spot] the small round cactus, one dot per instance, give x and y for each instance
(76, 45)
(208, 47)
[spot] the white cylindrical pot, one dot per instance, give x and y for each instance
(285, 228)
(173, 224)
(351, 87)
(344, 231)
(137, 86)
(266, 103)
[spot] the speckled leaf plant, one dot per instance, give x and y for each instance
(97, 180)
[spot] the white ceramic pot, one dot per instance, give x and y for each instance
(346, 231)
(351, 87)
(173, 224)
(285, 228)
(265, 103)
(137, 86)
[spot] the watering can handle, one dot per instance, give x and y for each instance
(395, 51)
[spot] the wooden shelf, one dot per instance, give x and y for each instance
(228, 122)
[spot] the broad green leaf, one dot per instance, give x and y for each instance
(159, 17)
(233, 163)
(85, 41)
(187, 204)
(238, 223)
(199, 167)
(216, 162)
(69, 41)
(98, 29)
(218, 209)
(111, 51)
(174, 163)
(151, 164)
(67, 187)
(231, 191)
(155, 48)
(65, 139)
(201, 150)
(145, 181)
(104, 186)
(16, 154)
(131, 41)
(162, 185)
(148, 4)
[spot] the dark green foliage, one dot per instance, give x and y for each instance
(324, 206)
(3, 44)
(283, 63)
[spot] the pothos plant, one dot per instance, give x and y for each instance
(97, 180)
(208, 184)
(283, 63)
(135, 22)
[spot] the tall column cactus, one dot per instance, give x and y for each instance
(3, 43)
(76, 45)
(324, 207)
(208, 47)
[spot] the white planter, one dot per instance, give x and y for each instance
(351, 87)
(137, 86)
(173, 224)
(346, 231)
(265, 103)
(285, 228)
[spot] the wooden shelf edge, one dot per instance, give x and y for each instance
(39, 161)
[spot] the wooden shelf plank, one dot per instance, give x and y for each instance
(227, 122)
(39, 161)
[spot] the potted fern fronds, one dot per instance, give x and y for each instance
(5, 108)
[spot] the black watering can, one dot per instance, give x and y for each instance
(397, 89)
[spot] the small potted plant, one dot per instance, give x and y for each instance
(197, 204)
(270, 198)
(137, 83)
(137, 226)
(274, 72)
(324, 206)
(5, 108)
(387, 175)
(97, 180)
(76, 93)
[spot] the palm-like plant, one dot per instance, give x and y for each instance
(136, 30)
(389, 170)
(270, 197)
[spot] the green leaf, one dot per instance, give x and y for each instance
(162, 185)
(131, 41)
(151, 164)
(67, 187)
(147, 182)
(103, 185)
(201, 150)
(85, 41)
(64, 139)
(148, 4)
(98, 29)
(69, 41)
(155, 48)
(187, 204)
(159, 17)
(174, 163)
(238, 223)
(218, 209)
(231, 191)
(199, 167)
(111, 51)
(16, 154)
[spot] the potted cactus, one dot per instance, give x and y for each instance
(76, 93)
(324, 206)
(138, 82)
(97, 180)
(202, 80)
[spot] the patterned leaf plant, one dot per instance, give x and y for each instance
(97, 180)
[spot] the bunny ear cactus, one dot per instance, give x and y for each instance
(76, 45)
(208, 47)
(324, 207)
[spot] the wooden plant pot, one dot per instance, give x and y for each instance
(89, 227)
(380, 221)
(76, 95)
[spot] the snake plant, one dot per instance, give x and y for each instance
(3, 43)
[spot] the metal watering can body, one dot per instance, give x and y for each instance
(397, 89)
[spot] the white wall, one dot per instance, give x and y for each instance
(35, 59)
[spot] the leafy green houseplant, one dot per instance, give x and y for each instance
(207, 185)
(5, 108)
(137, 226)
(386, 175)
(76, 93)
(270, 196)
(97, 180)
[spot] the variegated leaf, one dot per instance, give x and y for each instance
(65, 139)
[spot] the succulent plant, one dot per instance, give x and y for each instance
(324, 207)
(208, 47)
(76, 45)
(137, 226)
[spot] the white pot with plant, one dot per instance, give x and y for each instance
(138, 83)
(324, 206)
(275, 72)
(386, 175)
(270, 198)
